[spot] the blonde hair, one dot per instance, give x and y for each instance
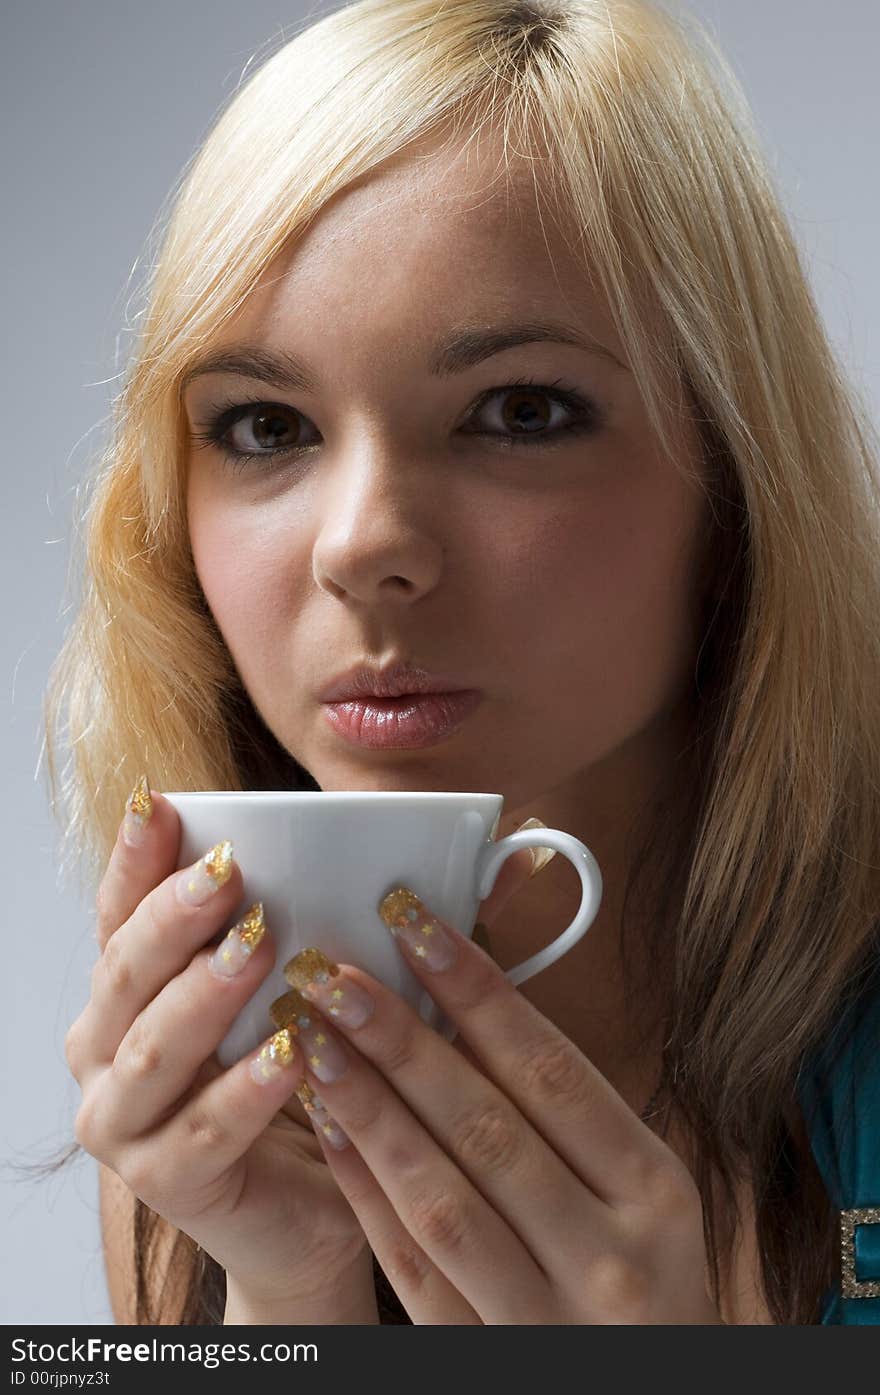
(769, 913)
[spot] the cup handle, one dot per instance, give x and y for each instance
(489, 863)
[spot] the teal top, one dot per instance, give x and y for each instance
(839, 1094)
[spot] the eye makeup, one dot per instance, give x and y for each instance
(222, 417)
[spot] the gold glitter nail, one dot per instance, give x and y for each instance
(138, 812)
(309, 966)
(395, 907)
(252, 927)
(422, 932)
(540, 856)
(236, 948)
(281, 1046)
(291, 1010)
(198, 883)
(140, 801)
(218, 862)
(275, 1054)
(307, 1098)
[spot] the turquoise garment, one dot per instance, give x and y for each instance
(839, 1093)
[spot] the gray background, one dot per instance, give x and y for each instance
(103, 101)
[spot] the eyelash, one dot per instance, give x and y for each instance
(222, 416)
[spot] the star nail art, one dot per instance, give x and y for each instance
(320, 981)
(324, 1052)
(424, 935)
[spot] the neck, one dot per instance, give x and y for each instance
(612, 1010)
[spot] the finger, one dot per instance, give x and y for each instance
(155, 944)
(553, 1084)
(196, 1160)
(475, 1123)
(167, 1044)
(425, 1292)
(446, 1215)
(133, 870)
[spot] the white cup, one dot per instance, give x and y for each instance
(322, 861)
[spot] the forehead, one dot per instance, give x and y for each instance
(446, 232)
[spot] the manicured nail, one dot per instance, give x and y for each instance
(319, 1117)
(200, 881)
(335, 1136)
(320, 981)
(138, 812)
(309, 966)
(291, 1009)
(426, 936)
(540, 856)
(274, 1057)
(232, 954)
(325, 1054)
(310, 1101)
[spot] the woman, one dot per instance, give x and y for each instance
(478, 341)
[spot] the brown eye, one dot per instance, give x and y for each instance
(271, 428)
(254, 432)
(525, 410)
(530, 413)
(246, 431)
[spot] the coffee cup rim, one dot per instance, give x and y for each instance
(331, 794)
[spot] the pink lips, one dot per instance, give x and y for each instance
(396, 679)
(407, 722)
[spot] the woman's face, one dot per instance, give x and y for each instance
(416, 514)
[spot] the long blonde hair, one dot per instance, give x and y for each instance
(766, 890)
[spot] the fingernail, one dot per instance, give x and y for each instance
(309, 966)
(325, 1054)
(424, 935)
(200, 881)
(335, 1136)
(287, 1010)
(273, 1058)
(310, 1101)
(540, 856)
(319, 1118)
(235, 950)
(138, 812)
(320, 981)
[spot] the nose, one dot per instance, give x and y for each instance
(379, 539)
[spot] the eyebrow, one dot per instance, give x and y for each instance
(461, 350)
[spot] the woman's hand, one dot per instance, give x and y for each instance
(211, 1150)
(519, 1190)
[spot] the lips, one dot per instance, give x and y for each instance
(395, 680)
(404, 722)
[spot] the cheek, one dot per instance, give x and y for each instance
(243, 568)
(606, 607)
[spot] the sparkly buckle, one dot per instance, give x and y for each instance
(851, 1287)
